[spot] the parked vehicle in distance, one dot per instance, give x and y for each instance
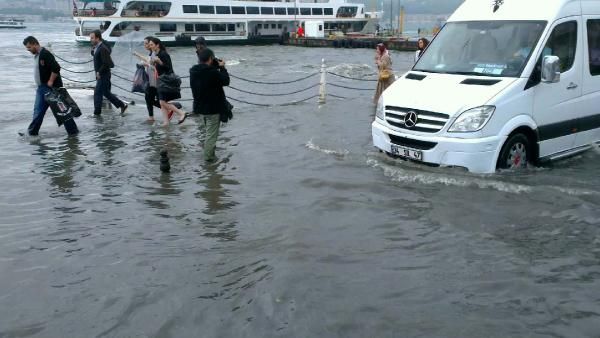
(503, 84)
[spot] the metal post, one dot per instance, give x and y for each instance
(323, 83)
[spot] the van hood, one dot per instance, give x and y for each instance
(443, 93)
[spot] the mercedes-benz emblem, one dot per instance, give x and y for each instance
(410, 119)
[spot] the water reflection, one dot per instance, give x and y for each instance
(58, 163)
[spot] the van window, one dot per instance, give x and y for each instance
(563, 43)
(484, 48)
(593, 31)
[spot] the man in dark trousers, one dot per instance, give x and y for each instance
(102, 65)
(207, 80)
(47, 76)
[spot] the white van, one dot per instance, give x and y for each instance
(503, 84)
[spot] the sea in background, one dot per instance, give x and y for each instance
(301, 229)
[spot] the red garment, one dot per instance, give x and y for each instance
(300, 32)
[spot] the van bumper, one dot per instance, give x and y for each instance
(478, 155)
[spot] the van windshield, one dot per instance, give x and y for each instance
(482, 48)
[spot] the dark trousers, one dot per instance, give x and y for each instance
(39, 110)
(151, 100)
(103, 90)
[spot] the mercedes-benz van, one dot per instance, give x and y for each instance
(503, 84)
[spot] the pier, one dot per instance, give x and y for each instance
(398, 44)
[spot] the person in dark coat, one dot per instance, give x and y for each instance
(163, 64)
(207, 82)
(102, 65)
(47, 76)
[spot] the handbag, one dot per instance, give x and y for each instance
(385, 75)
(227, 114)
(62, 105)
(140, 81)
(169, 83)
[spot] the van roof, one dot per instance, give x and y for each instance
(546, 10)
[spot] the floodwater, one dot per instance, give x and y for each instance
(301, 229)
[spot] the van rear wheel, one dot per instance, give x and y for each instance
(516, 153)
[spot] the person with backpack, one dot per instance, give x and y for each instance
(102, 65)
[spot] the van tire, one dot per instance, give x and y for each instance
(516, 153)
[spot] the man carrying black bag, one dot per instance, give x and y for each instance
(207, 82)
(47, 77)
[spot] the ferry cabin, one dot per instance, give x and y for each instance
(181, 21)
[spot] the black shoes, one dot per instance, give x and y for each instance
(124, 108)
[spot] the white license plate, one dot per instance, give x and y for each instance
(407, 153)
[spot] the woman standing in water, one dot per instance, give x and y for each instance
(422, 44)
(384, 66)
(163, 65)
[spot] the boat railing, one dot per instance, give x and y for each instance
(94, 12)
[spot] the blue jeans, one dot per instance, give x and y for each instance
(39, 110)
(103, 90)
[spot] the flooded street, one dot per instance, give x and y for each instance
(301, 229)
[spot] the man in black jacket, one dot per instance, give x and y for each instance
(207, 82)
(102, 65)
(47, 76)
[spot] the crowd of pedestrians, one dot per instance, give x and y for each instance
(207, 79)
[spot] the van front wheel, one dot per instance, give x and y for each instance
(515, 153)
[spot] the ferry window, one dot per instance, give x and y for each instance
(292, 11)
(223, 10)
(563, 43)
(304, 11)
(273, 26)
(202, 27)
(279, 11)
(280, 26)
(252, 10)
(266, 10)
(190, 9)
(219, 27)
(189, 27)
(168, 27)
(238, 10)
(231, 27)
(259, 26)
(593, 30)
(317, 11)
(207, 9)
(347, 12)
(328, 11)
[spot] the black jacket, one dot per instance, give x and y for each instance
(167, 66)
(48, 65)
(102, 60)
(207, 84)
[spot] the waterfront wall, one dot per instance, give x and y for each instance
(353, 42)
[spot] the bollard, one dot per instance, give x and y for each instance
(165, 166)
(323, 83)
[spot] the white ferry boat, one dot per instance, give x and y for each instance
(179, 22)
(12, 24)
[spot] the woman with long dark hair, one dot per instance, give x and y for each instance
(162, 63)
(422, 44)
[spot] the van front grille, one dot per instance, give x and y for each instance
(426, 121)
(411, 143)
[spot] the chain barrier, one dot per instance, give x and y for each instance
(352, 78)
(74, 62)
(77, 72)
(279, 94)
(346, 87)
(322, 84)
(274, 83)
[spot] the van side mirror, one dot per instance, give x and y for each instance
(551, 69)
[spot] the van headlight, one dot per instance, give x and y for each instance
(379, 111)
(472, 119)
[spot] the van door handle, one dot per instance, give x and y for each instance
(572, 85)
